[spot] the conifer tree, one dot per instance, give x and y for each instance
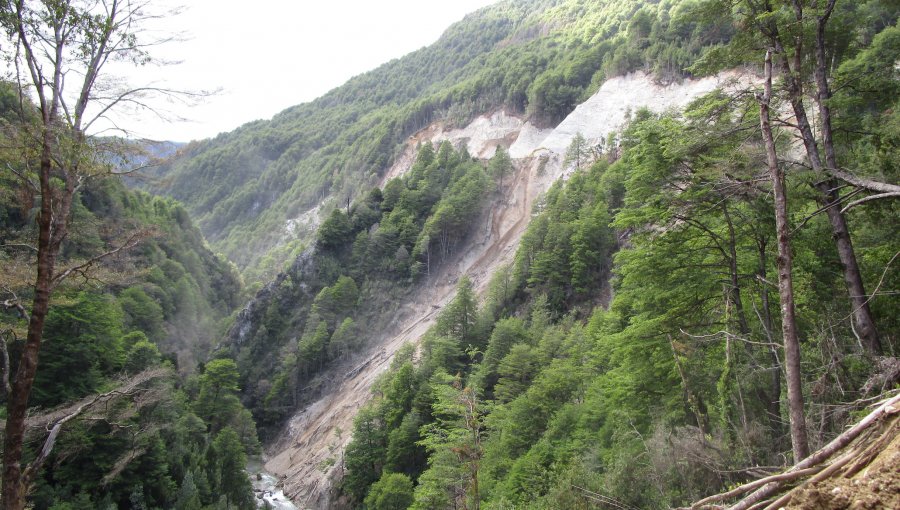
(394, 491)
(578, 153)
(500, 165)
(188, 495)
(230, 465)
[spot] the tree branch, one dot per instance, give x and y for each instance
(888, 407)
(861, 182)
(61, 417)
(824, 208)
(13, 304)
(131, 242)
(747, 487)
(870, 198)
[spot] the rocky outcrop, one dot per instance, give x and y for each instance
(249, 318)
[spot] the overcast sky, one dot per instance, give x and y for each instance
(267, 55)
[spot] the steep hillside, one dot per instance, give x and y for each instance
(614, 215)
(522, 401)
(125, 341)
(256, 187)
(304, 453)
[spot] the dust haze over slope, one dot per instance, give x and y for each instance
(307, 455)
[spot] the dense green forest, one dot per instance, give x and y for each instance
(112, 292)
(537, 58)
(144, 325)
(533, 397)
(700, 305)
(365, 260)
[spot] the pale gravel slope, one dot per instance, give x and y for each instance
(311, 437)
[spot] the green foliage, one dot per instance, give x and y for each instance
(230, 462)
(334, 232)
(507, 333)
(365, 453)
(500, 165)
(337, 301)
(683, 362)
(393, 491)
(537, 58)
(188, 495)
(177, 290)
(405, 454)
(217, 402)
(565, 253)
(515, 372)
(457, 320)
(132, 317)
(142, 313)
(386, 241)
(344, 340)
(454, 442)
(578, 153)
(867, 87)
(142, 355)
(83, 349)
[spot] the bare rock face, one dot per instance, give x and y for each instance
(485, 133)
(249, 319)
(308, 454)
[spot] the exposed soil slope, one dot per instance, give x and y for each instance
(312, 437)
(307, 455)
(875, 487)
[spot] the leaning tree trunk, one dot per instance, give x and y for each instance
(862, 315)
(799, 440)
(864, 324)
(829, 196)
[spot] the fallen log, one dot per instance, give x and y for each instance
(814, 465)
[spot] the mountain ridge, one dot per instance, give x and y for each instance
(534, 58)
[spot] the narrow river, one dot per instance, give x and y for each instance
(266, 488)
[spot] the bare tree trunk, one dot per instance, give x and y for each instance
(14, 490)
(785, 279)
(862, 315)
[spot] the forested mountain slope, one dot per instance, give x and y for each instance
(489, 241)
(126, 341)
(535, 397)
(535, 58)
(576, 253)
(536, 390)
